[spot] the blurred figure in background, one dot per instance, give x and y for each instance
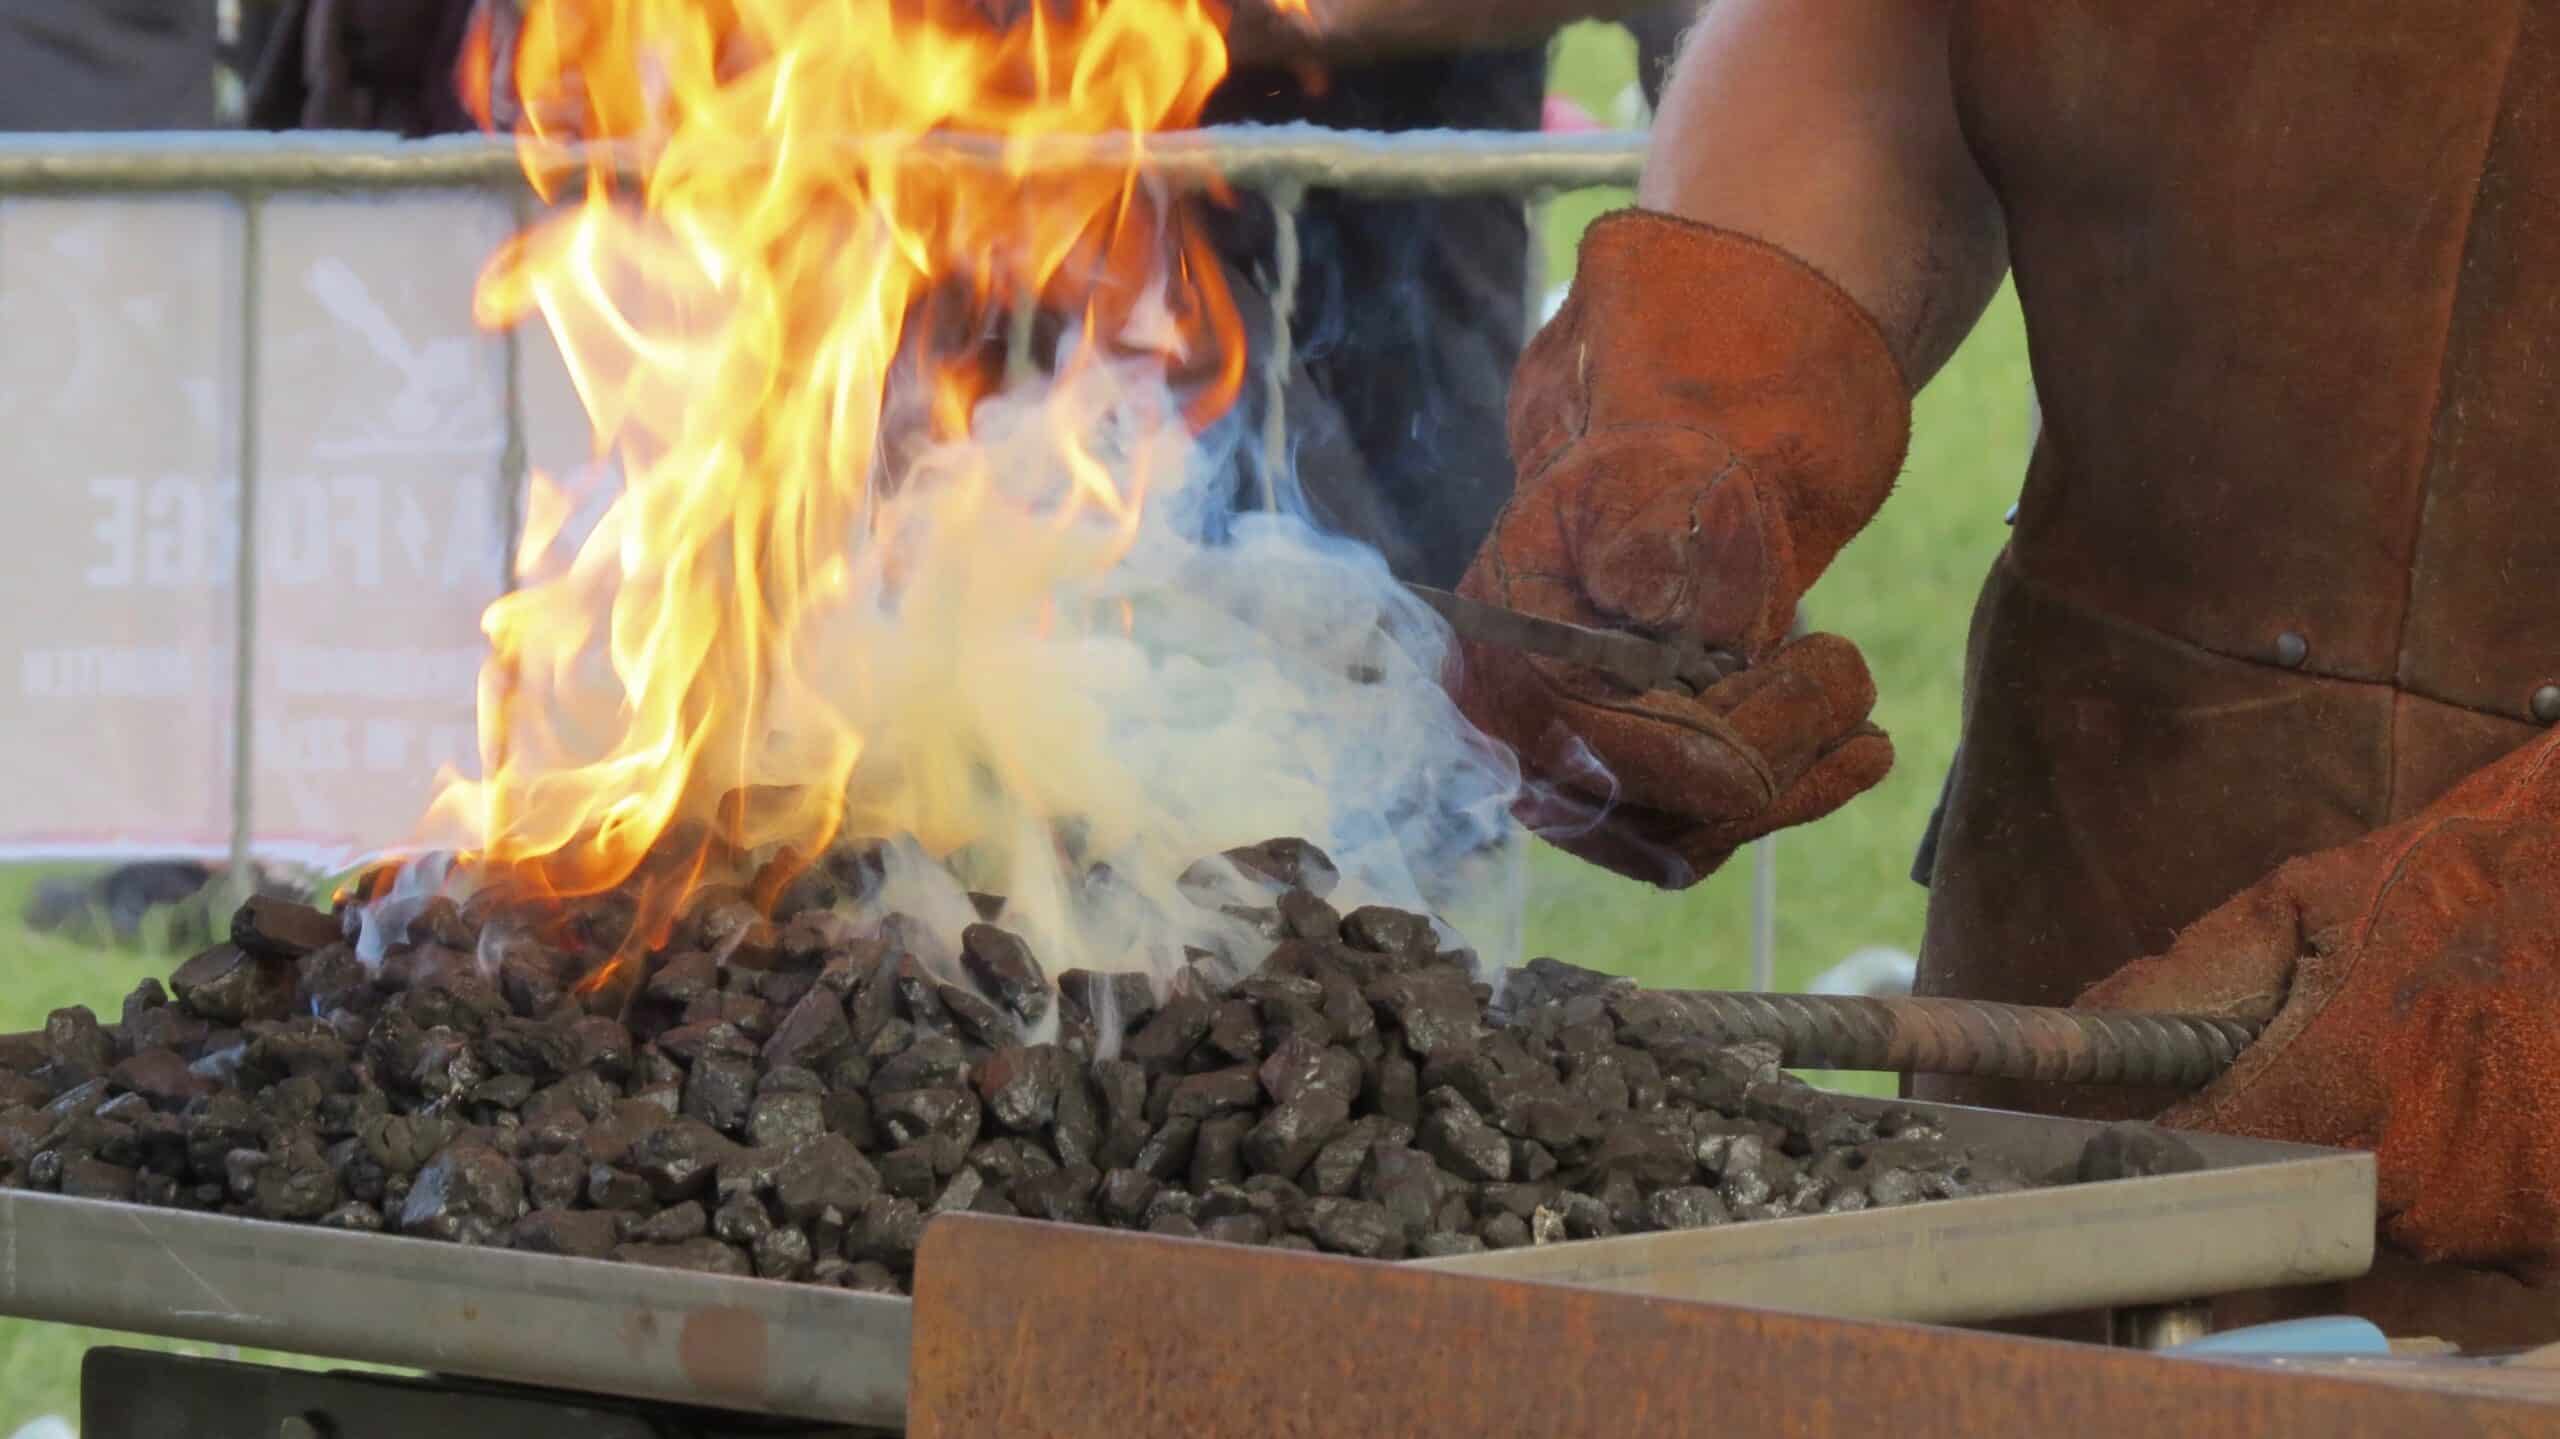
(362, 65)
(116, 907)
(1408, 314)
(106, 65)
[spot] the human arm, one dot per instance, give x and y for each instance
(1828, 129)
(1721, 405)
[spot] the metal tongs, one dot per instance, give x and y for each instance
(1644, 665)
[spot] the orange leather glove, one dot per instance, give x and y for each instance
(1698, 432)
(2412, 981)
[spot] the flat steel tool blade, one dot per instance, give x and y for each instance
(1640, 664)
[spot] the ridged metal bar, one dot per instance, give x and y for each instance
(242, 878)
(1288, 215)
(1764, 914)
(1431, 163)
(1993, 1041)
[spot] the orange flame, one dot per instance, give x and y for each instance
(836, 211)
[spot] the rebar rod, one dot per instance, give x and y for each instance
(1968, 1037)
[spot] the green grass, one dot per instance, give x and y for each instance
(40, 1363)
(1903, 592)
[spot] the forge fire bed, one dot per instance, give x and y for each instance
(2260, 1215)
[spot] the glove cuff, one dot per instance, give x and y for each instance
(1676, 324)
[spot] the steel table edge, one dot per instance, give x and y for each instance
(754, 1346)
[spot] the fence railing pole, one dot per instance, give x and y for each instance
(1287, 201)
(244, 639)
(1428, 163)
(1533, 299)
(1764, 914)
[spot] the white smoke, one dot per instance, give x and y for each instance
(1060, 653)
(1069, 704)
(1045, 687)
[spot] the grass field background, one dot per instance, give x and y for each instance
(1903, 592)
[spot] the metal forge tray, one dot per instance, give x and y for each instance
(2262, 1215)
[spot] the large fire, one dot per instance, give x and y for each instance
(856, 578)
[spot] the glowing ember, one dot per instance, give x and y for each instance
(845, 583)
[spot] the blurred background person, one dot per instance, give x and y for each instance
(361, 65)
(1408, 313)
(106, 65)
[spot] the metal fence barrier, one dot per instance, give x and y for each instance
(1281, 163)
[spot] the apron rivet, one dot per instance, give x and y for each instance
(2546, 704)
(2291, 650)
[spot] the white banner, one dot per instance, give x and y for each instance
(119, 328)
(383, 516)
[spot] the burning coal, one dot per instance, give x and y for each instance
(859, 582)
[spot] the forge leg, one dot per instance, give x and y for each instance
(2161, 1326)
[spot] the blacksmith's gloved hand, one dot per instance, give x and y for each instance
(1697, 434)
(2412, 981)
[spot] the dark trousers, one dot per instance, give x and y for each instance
(1410, 317)
(1410, 313)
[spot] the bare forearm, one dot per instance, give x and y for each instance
(1828, 128)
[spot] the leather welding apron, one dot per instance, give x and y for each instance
(2287, 561)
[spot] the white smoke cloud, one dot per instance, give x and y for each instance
(1042, 688)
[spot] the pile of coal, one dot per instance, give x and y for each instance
(782, 1091)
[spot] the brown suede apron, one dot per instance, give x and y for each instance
(2288, 558)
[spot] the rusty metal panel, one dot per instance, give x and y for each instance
(1023, 1328)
